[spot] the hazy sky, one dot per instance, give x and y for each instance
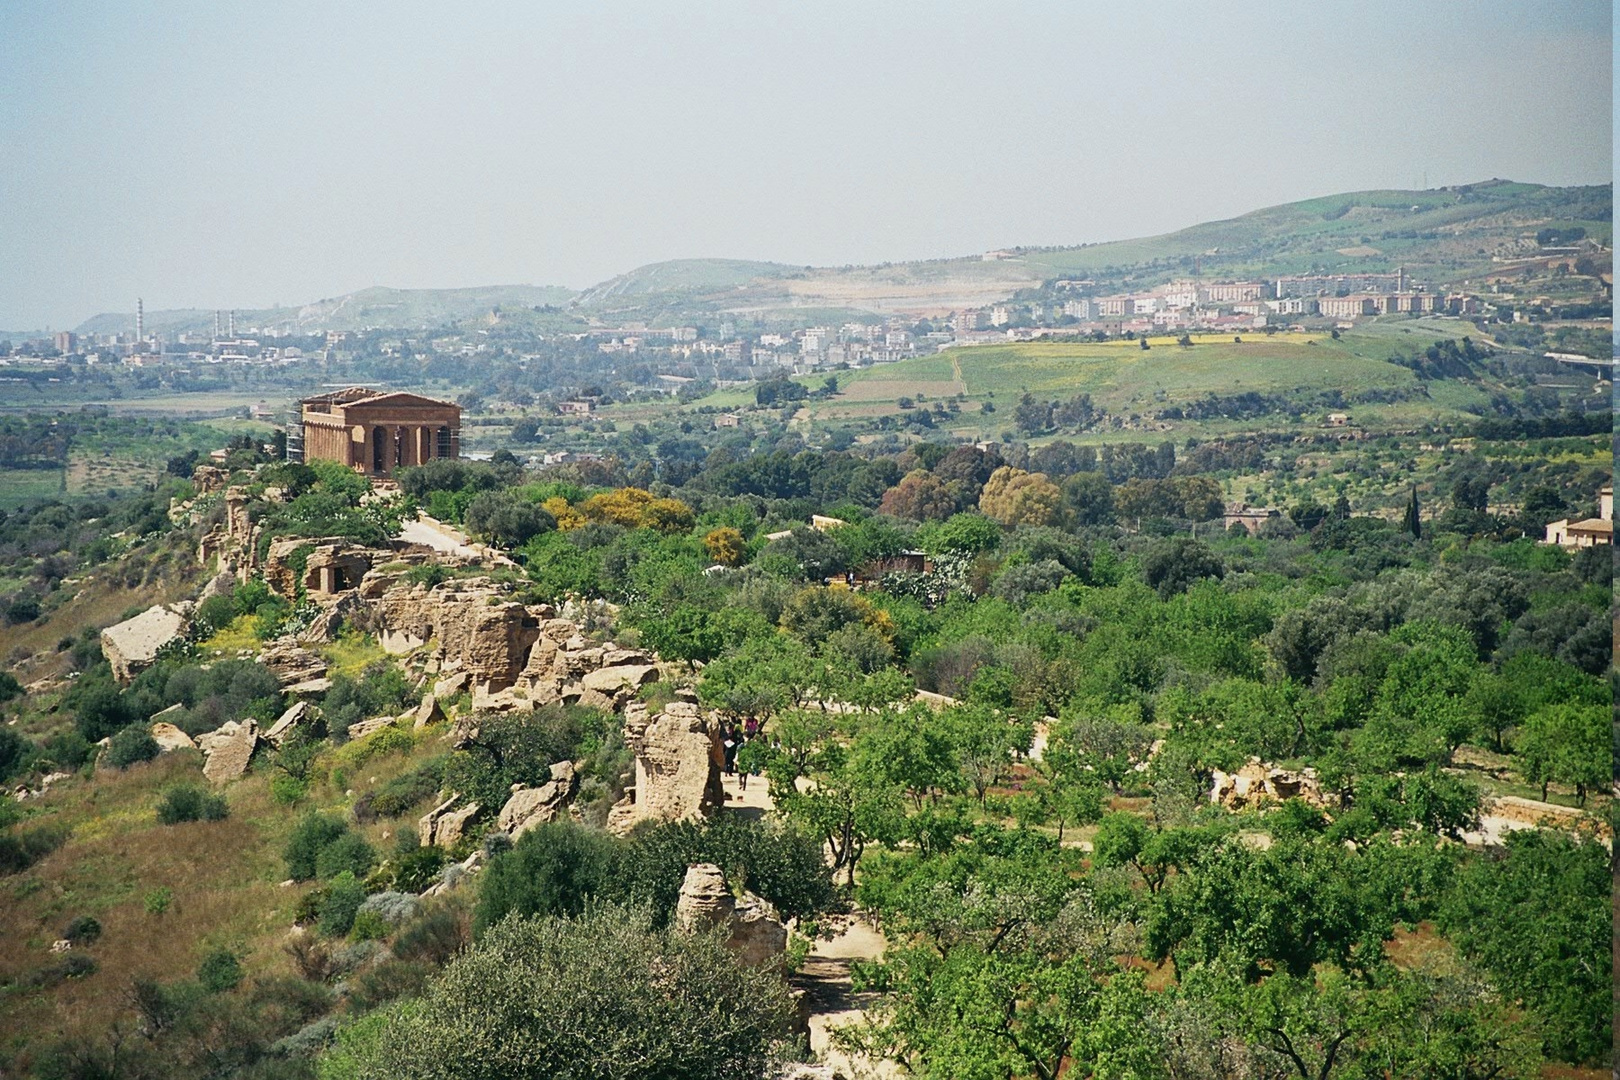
(222, 153)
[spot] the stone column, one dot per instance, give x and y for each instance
(407, 446)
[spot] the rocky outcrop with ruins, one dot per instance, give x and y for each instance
(1257, 783)
(678, 761)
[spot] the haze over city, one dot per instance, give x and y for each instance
(225, 154)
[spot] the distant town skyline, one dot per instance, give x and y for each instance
(228, 155)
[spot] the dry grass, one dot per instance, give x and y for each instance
(223, 878)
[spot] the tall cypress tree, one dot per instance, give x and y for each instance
(1412, 524)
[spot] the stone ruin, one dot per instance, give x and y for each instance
(1257, 783)
(679, 758)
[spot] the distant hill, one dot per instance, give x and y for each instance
(374, 307)
(1440, 236)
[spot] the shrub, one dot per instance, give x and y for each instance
(83, 930)
(418, 868)
(392, 907)
(23, 848)
(188, 802)
(380, 689)
(308, 1040)
(553, 870)
(346, 853)
(515, 749)
(219, 972)
(780, 864)
(288, 790)
(14, 751)
(368, 926)
(217, 612)
(343, 899)
(578, 981)
(409, 789)
(434, 936)
(312, 833)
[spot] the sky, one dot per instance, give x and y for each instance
(231, 154)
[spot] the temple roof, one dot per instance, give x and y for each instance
(364, 395)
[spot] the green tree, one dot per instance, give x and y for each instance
(603, 996)
(553, 870)
(1539, 921)
(1567, 744)
(1175, 564)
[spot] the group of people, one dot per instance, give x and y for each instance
(734, 737)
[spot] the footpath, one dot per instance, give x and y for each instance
(824, 977)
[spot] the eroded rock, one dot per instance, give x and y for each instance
(292, 663)
(132, 645)
(753, 930)
(428, 712)
(170, 738)
(445, 825)
(361, 728)
(297, 713)
(1257, 783)
(531, 807)
(229, 749)
(678, 761)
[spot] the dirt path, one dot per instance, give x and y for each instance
(825, 976)
(833, 1002)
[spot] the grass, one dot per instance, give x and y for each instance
(20, 486)
(228, 641)
(350, 654)
(224, 878)
(1126, 380)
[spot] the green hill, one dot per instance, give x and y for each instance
(1439, 236)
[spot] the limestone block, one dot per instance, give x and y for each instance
(228, 756)
(168, 737)
(132, 645)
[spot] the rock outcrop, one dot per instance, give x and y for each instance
(299, 712)
(446, 823)
(228, 750)
(428, 712)
(292, 663)
(476, 628)
(678, 761)
(1257, 783)
(132, 645)
(532, 807)
(751, 927)
(325, 566)
(361, 728)
(170, 738)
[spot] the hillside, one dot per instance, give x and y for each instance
(1440, 236)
